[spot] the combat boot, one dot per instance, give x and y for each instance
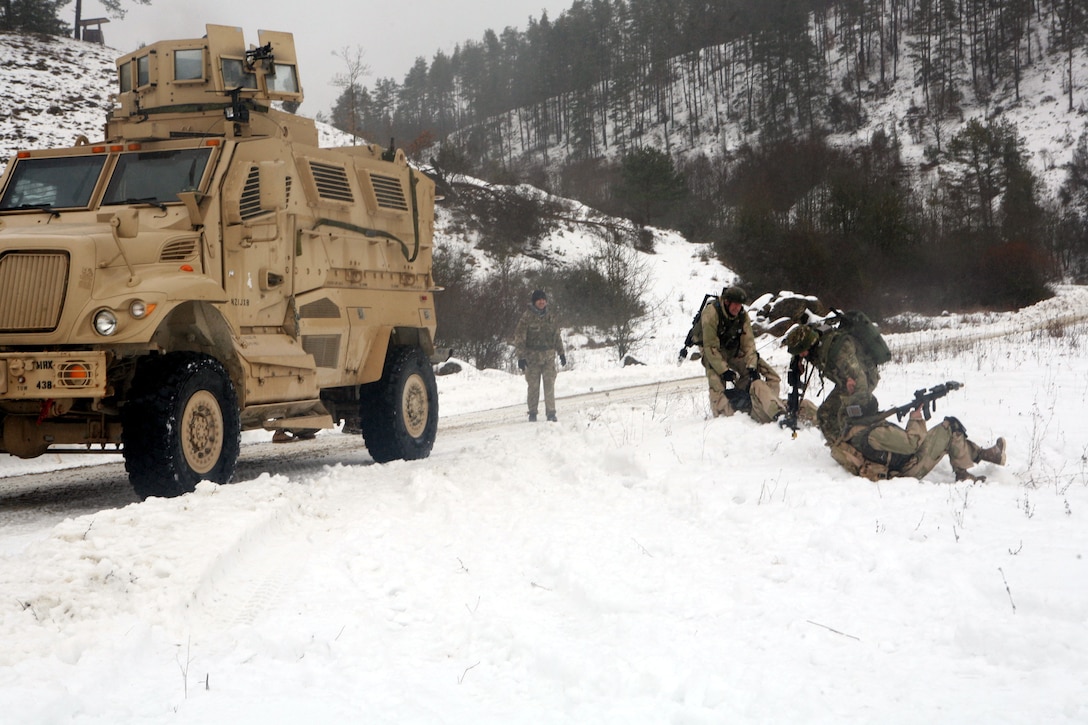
(963, 474)
(552, 418)
(993, 454)
(532, 417)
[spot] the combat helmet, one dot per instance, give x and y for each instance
(734, 294)
(800, 338)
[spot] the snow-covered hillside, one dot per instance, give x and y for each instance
(722, 124)
(53, 90)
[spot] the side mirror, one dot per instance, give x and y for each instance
(192, 200)
(126, 223)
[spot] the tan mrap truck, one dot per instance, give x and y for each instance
(206, 269)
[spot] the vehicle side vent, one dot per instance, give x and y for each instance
(324, 348)
(32, 286)
(324, 309)
(389, 192)
(331, 181)
(250, 204)
(178, 250)
(287, 181)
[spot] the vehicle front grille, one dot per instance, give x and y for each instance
(32, 288)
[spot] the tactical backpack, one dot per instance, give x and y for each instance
(864, 333)
(695, 334)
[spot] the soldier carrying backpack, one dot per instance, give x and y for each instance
(724, 331)
(849, 354)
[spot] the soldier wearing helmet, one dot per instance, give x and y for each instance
(729, 356)
(538, 340)
(835, 356)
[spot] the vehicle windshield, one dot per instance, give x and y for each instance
(52, 183)
(156, 176)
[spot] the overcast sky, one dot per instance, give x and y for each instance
(391, 34)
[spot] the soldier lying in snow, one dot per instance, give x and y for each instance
(884, 450)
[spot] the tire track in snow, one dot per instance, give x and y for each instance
(250, 577)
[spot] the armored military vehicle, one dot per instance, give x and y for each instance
(206, 269)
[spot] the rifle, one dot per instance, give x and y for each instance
(798, 383)
(694, 336)
(926, 399)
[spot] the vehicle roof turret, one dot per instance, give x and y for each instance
(164, 85)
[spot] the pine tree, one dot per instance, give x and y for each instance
(31, 16)
(650, 185)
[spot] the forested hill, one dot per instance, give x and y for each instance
(881, 154)
(609, 75)
(935, 152)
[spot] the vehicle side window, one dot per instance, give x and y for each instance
(189, 64)
(285, 79)
(236, 76)
(143, 71)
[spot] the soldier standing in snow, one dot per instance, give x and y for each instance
(537, 341)
(729, 355)
(836, 357)
(884, 450)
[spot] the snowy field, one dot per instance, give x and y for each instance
(636, 562)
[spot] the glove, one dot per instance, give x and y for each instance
(522, 363)
(729, 376)
(753, 374)
(562, 359)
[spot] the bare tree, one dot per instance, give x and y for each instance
(354, 71)
(611, 287)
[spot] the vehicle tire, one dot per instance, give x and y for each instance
(399, 413)
(180, 425)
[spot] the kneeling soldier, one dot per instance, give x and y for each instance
(729, 356)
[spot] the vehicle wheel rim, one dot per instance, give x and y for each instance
(415, 406)
(202, 432)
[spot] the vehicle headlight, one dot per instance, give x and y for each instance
(105, 322)
(140, 309)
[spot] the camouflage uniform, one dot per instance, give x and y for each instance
(732, 346)
(848, 362)
(537, 341)
(884, 450)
